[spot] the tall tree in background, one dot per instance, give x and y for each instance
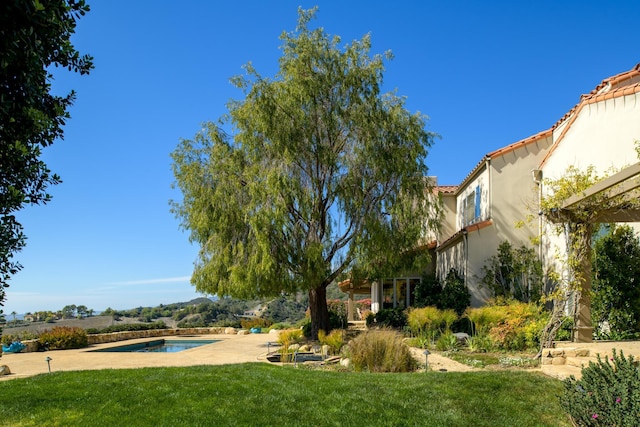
(34, 35)
(324, 175)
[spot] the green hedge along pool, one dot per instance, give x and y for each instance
(158, 346)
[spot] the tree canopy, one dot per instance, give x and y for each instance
(321, 174)
(34, 35)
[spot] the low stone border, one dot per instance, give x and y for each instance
(558, 356)
(32, 345)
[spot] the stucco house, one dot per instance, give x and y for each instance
(505, 188)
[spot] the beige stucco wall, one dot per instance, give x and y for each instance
(602, 135)
(509, 196)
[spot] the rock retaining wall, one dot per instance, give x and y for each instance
(32, 345)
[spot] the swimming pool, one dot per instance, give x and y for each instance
(158, 346)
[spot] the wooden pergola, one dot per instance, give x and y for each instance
(622, 194)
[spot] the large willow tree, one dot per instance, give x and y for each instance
(321, 175)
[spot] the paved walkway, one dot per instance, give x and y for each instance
(230, 349)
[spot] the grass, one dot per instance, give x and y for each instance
(261, 394)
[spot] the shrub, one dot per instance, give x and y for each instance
(20, 336)
(337, 314)
(335, 340)
(381, 350)
(255, 322)
(280, 325)
(447, 342)
(370, 319)
(286, 338)
(452, 295)
(427, 292)
(511, 325)
(565, 333)
(479, 343)
(63, 338)
(391, 318)
(455, 294)
(606, 394)
(429, 322)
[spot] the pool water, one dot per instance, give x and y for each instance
(158, 346)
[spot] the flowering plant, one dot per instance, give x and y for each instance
(608, 394)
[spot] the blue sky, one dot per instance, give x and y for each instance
(486, 73)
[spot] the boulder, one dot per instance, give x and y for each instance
(4, 370)
(243, 332)
(230, 331)
(294, 347)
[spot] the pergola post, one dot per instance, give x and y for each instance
(350, 304)
(583, 330)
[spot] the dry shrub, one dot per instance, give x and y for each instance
(335, 340)
(381, 350)
(287, 338)
(511, 324)
(430, 321)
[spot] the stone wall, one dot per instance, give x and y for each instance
(32, 345)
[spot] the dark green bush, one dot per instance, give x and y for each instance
(455, 294)
(606, 395)
(63, 338)
(391, 318)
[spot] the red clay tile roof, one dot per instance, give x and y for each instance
(446, 189)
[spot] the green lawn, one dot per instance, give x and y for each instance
(265, 395)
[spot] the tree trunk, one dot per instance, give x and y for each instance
(319, 310)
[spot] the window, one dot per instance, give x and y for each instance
(471, 207)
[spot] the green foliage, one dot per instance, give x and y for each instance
(510, 324)
(453, 294)
(337, 314)
(286, 309)
(447, 342)
(616, 291)
(391, 318)
(606, 395)
(381, 351)
(335, 340)
(480, 343)
(63, 338)
(34, 38)
(427, 292)
(514, 273)
(316, 146)
(565, 332)
(22, 336)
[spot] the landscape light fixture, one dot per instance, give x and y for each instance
(426, 360)
(48, 360)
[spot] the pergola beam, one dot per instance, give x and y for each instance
(616, 179)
